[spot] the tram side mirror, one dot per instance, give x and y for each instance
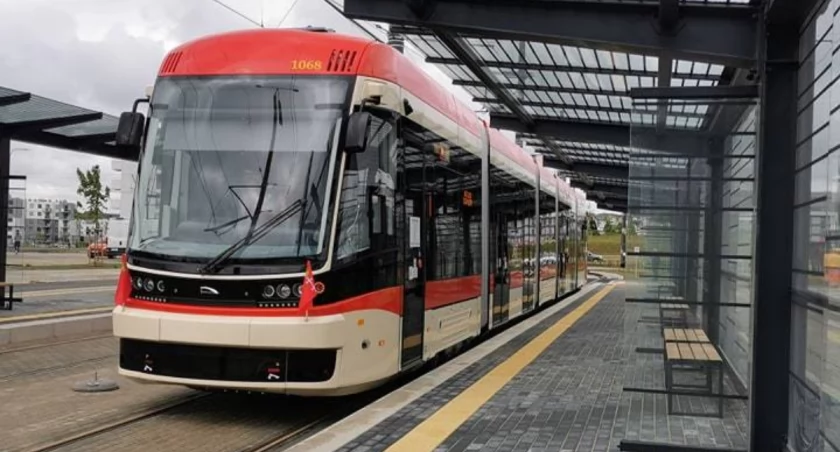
(356, 138)
(130, 129)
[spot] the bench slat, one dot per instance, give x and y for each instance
(691, 335)
(680, 335)
(699, 354)
(701, 336)
(711, 352)
(685, 351)
(673, 352)
(669, 334)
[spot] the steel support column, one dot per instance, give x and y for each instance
(676, 244)
(5, 162)
(771, 311)
(693, 237)
(712, 230)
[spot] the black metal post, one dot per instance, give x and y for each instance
(5, 163)
(712, 242)
(773, 245)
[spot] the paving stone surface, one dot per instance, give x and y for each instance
(395, 427)
(571, 397)
(35, 385)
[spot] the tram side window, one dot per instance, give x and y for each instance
(366, 208)
(457, 216)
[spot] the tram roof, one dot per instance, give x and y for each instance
(560, 73)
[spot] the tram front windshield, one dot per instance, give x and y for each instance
(228, 156)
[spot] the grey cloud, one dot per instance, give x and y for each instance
(46, 57)
(42, 53)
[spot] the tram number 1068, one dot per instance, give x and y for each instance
(307, 65)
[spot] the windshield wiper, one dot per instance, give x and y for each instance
(229, 223)
(245, 241)
(256, 234)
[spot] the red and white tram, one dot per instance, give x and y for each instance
(268, 151)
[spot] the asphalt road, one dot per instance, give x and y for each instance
(55, 296)
(37, 259)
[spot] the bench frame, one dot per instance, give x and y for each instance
(673, 306)
(8, 302)
(708, 367)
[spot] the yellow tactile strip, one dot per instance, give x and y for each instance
(437, 427)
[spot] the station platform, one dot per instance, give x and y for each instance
(57, 310)
(557, 381)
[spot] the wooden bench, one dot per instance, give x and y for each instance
(8, 302)
(681, 309)
(665, 288)
(688, 355)
(684, 335)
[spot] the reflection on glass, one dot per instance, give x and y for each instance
(226, 154)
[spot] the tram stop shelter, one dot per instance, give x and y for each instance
(29, 118)
(711, 124)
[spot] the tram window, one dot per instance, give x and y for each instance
(367, 192)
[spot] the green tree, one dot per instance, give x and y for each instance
(609, 226)
(95, 195)
(592, 225)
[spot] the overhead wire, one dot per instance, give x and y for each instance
(287, 14)
(223, 5)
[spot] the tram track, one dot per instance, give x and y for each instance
(53, 343)
(56, 357)
(91, 433)
(43, 370)
(214, 422)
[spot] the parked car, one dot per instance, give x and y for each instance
(114, 243)
(592, 257)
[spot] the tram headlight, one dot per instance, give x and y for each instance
(149, 285)
(268, 291)
(161, 286)
(138, 282)
(298, 290)
(283, 291)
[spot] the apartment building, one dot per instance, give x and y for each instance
(49, 221)
(16, 220)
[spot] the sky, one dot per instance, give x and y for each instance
(101, 54)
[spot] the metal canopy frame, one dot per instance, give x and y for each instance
(570, 71)
(38, 120)
(629, 27)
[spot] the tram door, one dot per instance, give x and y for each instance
(499, 266)
(414, 262)
(563, 252)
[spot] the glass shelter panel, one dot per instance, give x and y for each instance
(689, 270)
(814, 422)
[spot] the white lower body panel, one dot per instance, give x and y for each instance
(366, 343)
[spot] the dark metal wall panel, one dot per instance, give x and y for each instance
(773, 245)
